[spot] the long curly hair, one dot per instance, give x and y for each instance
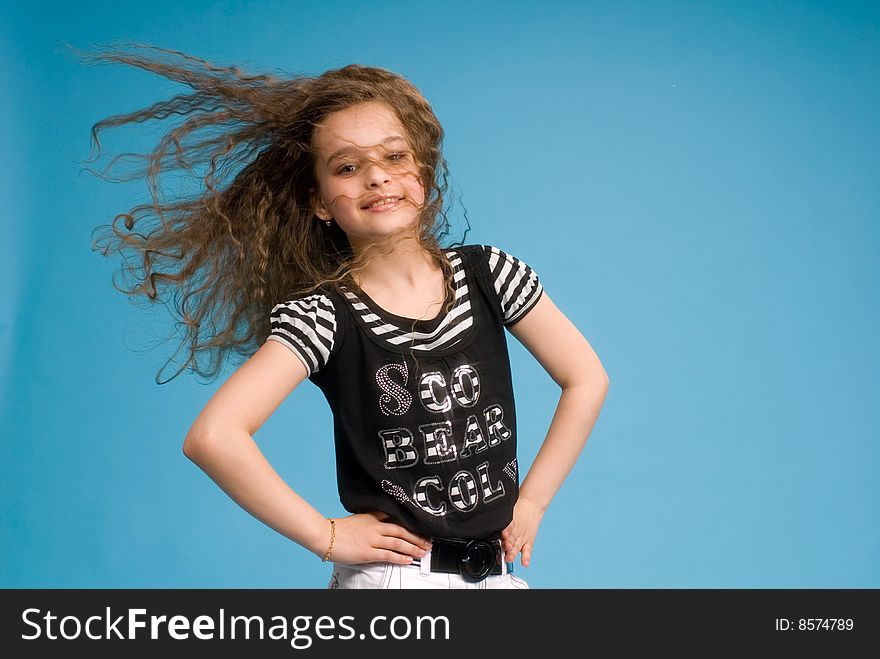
(248, 238)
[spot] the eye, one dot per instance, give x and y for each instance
(344, 169)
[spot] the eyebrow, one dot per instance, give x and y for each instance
(387, 140)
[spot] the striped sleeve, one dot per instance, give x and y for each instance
(516, 284)
(307, 326)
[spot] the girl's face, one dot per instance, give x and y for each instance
(362, 155)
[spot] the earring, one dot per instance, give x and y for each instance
(329, 221)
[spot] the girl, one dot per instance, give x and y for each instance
(314, 249)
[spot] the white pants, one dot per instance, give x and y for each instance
(416, 575)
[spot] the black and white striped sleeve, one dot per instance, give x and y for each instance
(516, 284)
(307, 326)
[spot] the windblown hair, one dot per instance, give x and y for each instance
(249, 238)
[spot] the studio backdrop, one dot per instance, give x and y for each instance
(694, 183)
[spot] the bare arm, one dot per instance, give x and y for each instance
(221, 443)
(573, 364)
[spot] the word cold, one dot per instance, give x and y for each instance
(462, 491)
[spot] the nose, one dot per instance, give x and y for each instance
(375, 174)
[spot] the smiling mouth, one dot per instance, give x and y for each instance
(388, 201)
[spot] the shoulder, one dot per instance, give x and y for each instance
(317, 305)
(308, 326)
(516, 284)
(491, 254)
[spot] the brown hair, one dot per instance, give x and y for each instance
(249, 239)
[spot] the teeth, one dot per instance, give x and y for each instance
(382, 202)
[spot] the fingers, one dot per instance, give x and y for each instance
(364, 538)
(393, 557)
(510, 549)
(514, 543)
(397, 531)
(397, 539)
(401, 546)
(509, 543)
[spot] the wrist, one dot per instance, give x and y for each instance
(319, 537)
(533, 503)
(329, 553)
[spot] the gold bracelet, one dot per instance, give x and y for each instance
(332, 538)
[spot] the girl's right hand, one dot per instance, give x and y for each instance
(369, 537)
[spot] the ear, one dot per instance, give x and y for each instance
(319, 208)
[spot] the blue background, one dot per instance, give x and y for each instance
(695, 183)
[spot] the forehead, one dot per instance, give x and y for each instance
(363, 125)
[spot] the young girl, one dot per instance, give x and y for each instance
(313, 248)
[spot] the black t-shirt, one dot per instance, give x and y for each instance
(424, 415)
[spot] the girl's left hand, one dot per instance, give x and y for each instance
(519, 536)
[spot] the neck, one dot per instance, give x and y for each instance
(406, 267)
